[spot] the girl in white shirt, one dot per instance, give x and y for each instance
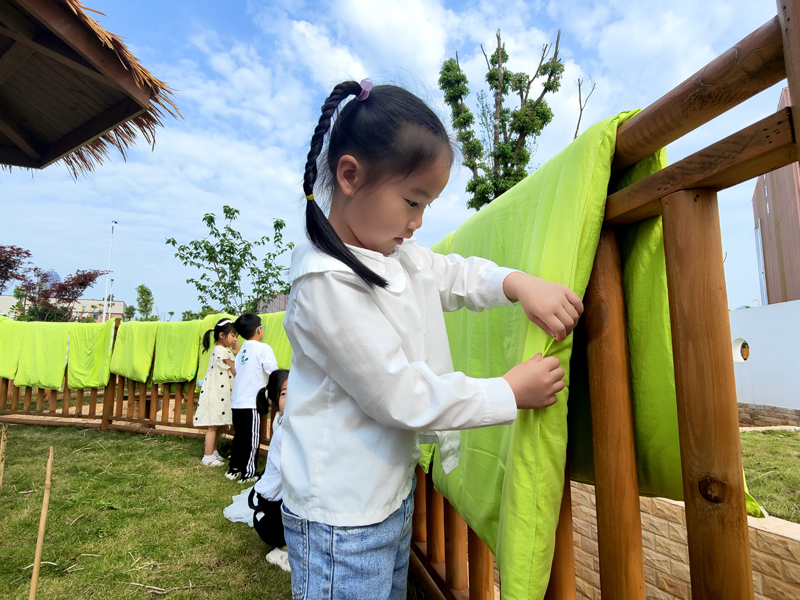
(371, 365)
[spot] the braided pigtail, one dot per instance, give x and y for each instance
(319, 230)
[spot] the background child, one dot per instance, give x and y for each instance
(214, 408)
(371, 363)
(268, 492)
(254, 362)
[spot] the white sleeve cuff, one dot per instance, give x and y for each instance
(501, 405)
(494, 284)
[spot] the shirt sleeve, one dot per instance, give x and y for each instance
(338, 326)
(268, 361)
(269, 486)
(475, 283)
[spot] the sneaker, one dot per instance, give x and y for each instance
(280, 557)
(233, 475)
(213, 463)
(217, 455)
(251, 479)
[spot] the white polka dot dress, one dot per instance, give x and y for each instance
(214, 407)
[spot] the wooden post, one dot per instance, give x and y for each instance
(619, 523)
(142, 397)
(52, 398)
(153, 403)
(3, 393)
(562, 575)
(78, 401)
(14, 396)
(37, 560)
(788, 18)
(708, 420)
(434, 511)
(455, 557)
(39, 400)
(190, 408)
(120, 395)
(92, 402)
(165, 396)
(67, 396)
(131, 388)
(176, 415)
(419, 531)
(26, 405)
(108, 402)
(481, 568)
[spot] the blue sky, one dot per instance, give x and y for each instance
(249, 77)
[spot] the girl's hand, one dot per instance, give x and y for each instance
(536, 382)
(553, 307)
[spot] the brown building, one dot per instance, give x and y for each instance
(776, 210)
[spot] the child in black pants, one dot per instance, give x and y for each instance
(254, 363)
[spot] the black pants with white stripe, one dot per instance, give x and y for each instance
(246, 426)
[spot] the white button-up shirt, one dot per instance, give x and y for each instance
(372, 368)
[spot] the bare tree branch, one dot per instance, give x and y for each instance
(582, 104)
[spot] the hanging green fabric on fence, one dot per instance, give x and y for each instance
(177, 352)
(43, 357)
(89, 362)
(275, 336)
(133, 350)
(12, 334)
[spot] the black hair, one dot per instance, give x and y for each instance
(247, 324)
(223, 327)
(392, 130)
(276, 379)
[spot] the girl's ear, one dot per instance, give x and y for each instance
(349, 173)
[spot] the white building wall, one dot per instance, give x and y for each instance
(771, 374)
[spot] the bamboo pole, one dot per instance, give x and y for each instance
(455, 557)
(562, 575)
(3, 437)
(419, 532)
(619, 523)
(42, 522)
(481, 568)
(434, 511)
(708, 420)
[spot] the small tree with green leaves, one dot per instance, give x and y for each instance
(129, 312)
(501, 160)
(144, 303)
(232, 277)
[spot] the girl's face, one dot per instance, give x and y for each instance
(379, 217)
(228, 339)
(282, 397)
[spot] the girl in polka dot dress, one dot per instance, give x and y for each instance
(214, 410)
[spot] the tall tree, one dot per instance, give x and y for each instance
(129, 312)
(512, 132)
(144, 303)
(13, 265)
(232, 277)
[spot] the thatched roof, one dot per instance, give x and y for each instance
(70, 90)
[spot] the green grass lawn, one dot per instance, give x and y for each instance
(125, 508)
(771, 462)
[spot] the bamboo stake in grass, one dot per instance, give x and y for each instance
(3, 453)
(42, 522)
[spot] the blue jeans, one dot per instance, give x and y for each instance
(350, 563)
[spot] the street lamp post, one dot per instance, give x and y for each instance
(108, 271)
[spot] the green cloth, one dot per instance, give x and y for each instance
(89, 357)
(43, 357)
(510, 479)
(177, 352)
(133, 350)
(275, 336)
(12, 334)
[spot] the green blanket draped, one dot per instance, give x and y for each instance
(275, 336)
(133, 350)
(89, 357)
(509, 483)
(12, 334)
(177, 352)
(43, 356)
